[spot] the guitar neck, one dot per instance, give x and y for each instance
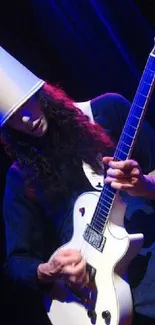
(127, 140)
(137, 112)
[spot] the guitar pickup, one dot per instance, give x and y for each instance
(94, 238)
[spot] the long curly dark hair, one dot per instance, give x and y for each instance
(53, 160)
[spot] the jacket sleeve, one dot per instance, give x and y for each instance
(110, 111)
(20, 216)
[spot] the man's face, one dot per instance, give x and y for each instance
(29, 119)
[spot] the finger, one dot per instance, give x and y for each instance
(135, 172)
(121, 174)
(68, 252)
(60, 261)
(81, 281)
(75, 270)
(122, 186)
(106, 160)
(112, 179)
(117, 173)
(125, 165)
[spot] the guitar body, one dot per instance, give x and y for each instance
(108, 297)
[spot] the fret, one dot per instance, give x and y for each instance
(131, 126)
(107, 200)
(105, 207)
(100, 220)
(102, 217)
(145, 82)
(97, 227)
(136, 110)
(109, 189)
(109, 196)
(133, 122)
(103, 214)
(140, 100)
(122, 150)
(139, 93)
(127, 140)
(150, 64)
(106, 203)
(120, 155)
(126, 135)
(135, 116)
(129, 130)
(108, 193)
(122, 143)
(148, 77)
(99, 223)
(150, 70)
(144, 88)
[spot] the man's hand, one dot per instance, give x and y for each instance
(126, 176)
(66, 264)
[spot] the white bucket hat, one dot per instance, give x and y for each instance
(17, 85)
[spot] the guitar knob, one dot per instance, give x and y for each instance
(99, 185)
(106, 314)
(91, 313)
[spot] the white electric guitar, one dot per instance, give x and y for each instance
(100, 235)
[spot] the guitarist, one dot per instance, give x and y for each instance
(47, 138)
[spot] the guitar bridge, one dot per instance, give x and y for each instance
(94, 238)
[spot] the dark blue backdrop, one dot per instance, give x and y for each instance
(87, 46)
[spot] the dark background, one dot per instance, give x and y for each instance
(88, 47)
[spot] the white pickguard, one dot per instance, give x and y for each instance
(113, 292)
(96, 181)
